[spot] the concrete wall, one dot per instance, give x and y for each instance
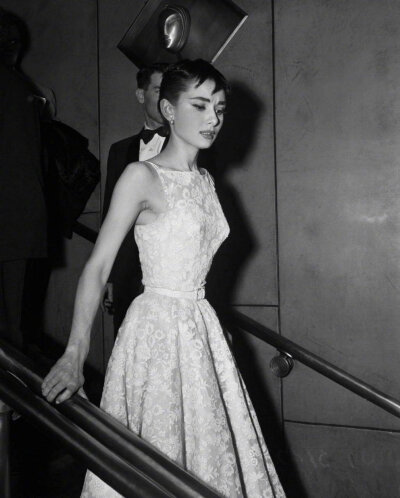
(337, 129)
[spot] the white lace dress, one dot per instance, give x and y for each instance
(171, 377)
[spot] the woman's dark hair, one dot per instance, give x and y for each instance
(180, 75)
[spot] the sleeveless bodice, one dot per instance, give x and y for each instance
(176, 250)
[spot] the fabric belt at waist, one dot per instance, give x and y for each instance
(195, 295)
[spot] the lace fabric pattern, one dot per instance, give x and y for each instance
(176, 251)
(171, 377)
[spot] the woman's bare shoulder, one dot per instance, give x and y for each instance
(138, 175)
(140, 170)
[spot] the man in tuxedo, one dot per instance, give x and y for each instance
(125, 279)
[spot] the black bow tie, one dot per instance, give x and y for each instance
(147, 135)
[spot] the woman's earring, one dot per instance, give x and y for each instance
(171, 121)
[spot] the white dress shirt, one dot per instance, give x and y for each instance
(152, 148)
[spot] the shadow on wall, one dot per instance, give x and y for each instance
(232, 150)
(267, 411)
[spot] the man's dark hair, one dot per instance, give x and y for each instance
(143, 76)
(8, 20)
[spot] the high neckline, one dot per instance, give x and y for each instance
(194, 172)
(167, 170)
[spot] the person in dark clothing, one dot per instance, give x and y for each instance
(22, 202)
(125, 278)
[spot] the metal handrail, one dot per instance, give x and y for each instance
(129, 460)
(318, 364)
(105, 463)
(85, 231)
(5, 418)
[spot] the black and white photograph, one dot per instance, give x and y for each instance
(199, 248)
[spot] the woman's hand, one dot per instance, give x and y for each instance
(64, 379)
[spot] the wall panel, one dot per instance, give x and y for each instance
(338, 122)
(244, 163)
(310, 397)
(345, 463)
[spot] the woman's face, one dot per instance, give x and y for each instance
(199, 114)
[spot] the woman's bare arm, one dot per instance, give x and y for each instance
(129, 199)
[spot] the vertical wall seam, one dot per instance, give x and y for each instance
(98, 87)
(276, 183)
(99, 153)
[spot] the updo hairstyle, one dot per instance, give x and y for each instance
(180, 75)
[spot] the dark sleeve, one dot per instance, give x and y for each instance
(111, 179)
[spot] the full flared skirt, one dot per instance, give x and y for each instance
(172, 380)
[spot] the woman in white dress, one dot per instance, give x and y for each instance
(171, 376)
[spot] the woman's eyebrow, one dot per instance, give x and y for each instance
(200, 98)
(203, 99)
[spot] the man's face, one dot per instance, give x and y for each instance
(10, 47)
(149, 99)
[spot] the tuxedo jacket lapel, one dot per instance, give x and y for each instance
(121, 153)
(133, 150)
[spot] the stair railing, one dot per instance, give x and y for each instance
(317, 363)
(118, 456)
